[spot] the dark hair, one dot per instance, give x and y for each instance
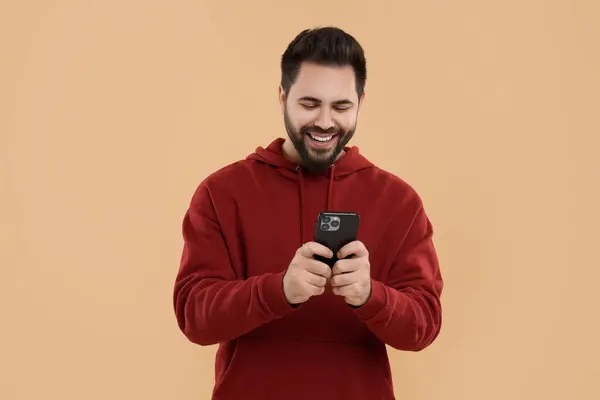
(325, 46)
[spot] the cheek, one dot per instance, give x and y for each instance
(301, 118)
(346, 121)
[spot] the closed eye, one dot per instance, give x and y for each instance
(342, 108)
(336, 108)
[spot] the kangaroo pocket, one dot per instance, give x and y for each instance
(278, 370)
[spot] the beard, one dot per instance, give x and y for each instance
(314, 159)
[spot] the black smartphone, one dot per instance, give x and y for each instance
(335, 230)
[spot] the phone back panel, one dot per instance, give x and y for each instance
(334, 230)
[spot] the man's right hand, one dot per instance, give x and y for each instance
(307, 277)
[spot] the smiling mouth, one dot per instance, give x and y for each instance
(320, 138)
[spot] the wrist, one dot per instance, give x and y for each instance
(376, 303)
(368, 297)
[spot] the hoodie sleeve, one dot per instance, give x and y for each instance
(405, 310)
(211, 305)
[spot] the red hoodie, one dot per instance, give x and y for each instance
(243, 226)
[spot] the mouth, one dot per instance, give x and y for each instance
(321, 140)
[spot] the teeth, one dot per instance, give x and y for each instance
(321, 138)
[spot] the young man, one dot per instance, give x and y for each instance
(289, 326)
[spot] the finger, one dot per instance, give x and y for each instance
(318, 268)
(356, 248)
(315, 280)
(316, 290)
(310, 249)
(340, 290)
(345, 266)
(349, 291)
(344, 279)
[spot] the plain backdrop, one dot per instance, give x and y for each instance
(112, 112)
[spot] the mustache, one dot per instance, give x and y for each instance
(314, 129)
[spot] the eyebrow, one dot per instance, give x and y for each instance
(315, 100)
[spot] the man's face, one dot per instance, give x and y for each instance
(320, 113)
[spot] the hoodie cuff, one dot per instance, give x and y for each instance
(273, 295)
(375, 304)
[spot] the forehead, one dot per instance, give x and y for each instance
(326, 83)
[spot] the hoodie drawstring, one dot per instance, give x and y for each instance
(301, 194)
(330, 188)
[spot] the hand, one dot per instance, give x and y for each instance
(306, 277)
(352, 277)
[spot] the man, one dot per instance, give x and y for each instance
(288, 326)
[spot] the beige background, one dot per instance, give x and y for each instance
(111, 112)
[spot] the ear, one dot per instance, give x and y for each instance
(282, 99)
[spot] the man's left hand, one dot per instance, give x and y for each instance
(351, 277)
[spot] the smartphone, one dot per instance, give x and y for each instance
(335, 230)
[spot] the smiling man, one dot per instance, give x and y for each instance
(288, 326)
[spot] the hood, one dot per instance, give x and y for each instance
(352, 161)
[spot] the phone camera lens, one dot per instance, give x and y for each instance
(325, 227)
(335, 223)
(326, 220)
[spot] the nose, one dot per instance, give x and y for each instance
(324, 120)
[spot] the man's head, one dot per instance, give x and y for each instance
(323, 74)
